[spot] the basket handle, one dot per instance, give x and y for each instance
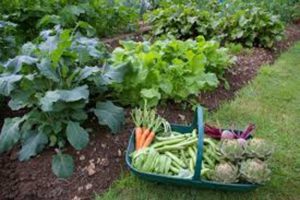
(200, 123)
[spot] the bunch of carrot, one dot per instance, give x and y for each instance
(147, 123)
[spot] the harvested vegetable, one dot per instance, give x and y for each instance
(231, 150)
(255, 171)
(173, 155)
(227, 135)
(259, 148)
(150, 137)
(217, 133)
(228, 157)
(211, 157)
(226, 173)
(137, 118)
(147, 123)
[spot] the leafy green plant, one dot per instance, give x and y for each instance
(100, 17)
(26, 14)
(228, 23)
(181, 22)
(8, 41)
(168, 69)
(249, 25)
(97, 16)
(286, 9)
(57, 79)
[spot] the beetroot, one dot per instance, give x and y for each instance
(228, 135)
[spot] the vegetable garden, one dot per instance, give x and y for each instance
(69, 99)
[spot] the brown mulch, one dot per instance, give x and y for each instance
(246, 68)
(104, 156)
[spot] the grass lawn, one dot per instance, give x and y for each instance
(272, 102)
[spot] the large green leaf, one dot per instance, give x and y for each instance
(50, 41)
(64, 43)
(152, 95)
(114, 74)
(7, 83)
(45, 68)
(62, 165)
(87, 72)
(76, 94)
(48, 19)
(76, 135)
(33, 145)
(10, 133)
(88, 48)
(110, 115)
(20, 99)
(90, 30)
(15, 65)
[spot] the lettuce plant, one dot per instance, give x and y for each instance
(168, 69)
(54, 79)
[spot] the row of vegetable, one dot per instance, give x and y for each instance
(62, 74)
(168, 69)
(228, 156)
(230, 22)
(21, 21)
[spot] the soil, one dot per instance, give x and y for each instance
(102, 162)
(246, 68)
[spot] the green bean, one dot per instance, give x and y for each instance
(168, 164)
(191, 165)
(161, 139)
(192, 154)
(174, 169)
(174, 158)
(176, 164)
(213, 154)
(210, 142)
(178, 146)
(162, 163)
(194, 148)
(204, 171)
(168, 142)
(148, 163)
(194, 133)
(208, 160)
(183, 157)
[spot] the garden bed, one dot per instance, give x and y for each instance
(98, 165)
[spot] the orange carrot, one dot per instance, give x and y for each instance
(137, 117)
(138, 136)
(149, 139)
(144, 136)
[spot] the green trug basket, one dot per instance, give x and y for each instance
(196, 180)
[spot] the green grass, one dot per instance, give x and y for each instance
(272, 102)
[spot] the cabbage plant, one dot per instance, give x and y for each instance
(54, 79)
